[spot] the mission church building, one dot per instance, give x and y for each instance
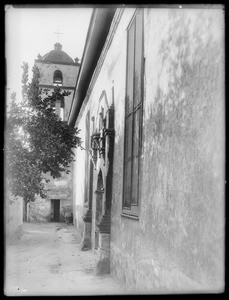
(56, 68)
(148, 190)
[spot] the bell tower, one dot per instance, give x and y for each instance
(57, 68)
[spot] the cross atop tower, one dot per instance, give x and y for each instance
(58, 34)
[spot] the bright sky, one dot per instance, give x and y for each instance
(30, 31)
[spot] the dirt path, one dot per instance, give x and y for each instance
(47, 260)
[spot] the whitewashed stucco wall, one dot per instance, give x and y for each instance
(177, 244)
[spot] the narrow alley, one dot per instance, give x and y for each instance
(47, 260)
(116, 125)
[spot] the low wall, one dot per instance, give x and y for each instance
(39, 211)
(13, 218)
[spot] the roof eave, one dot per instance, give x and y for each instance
(97, 32)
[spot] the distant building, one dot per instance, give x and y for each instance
(148, 191)
(56, 68)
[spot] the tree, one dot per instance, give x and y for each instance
(37, 140)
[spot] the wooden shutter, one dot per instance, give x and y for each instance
(133, 111)
(130, 69)
(138, 59)
(137, 105)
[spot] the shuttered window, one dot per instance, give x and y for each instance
(133, 113)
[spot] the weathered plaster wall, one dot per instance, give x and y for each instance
(47, 70)
(67, 104)
(61, 188)
(178, 242)
(78, 182)
(13, 217)
(39, 211)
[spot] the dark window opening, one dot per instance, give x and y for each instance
(57, 78)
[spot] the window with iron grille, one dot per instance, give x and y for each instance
(133, 114)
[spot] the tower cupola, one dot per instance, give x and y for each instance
(57, 55)
(58, 47)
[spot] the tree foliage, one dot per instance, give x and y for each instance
(37, 140)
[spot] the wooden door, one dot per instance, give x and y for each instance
(56, 210)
